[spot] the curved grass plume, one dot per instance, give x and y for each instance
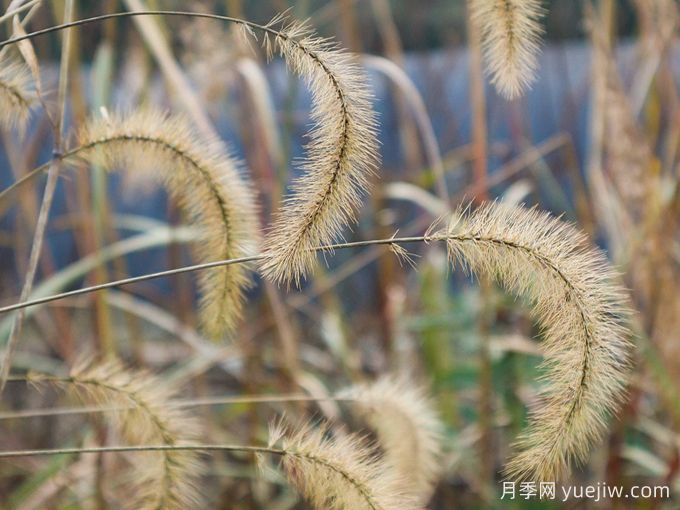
(339, 472)
(582, 313)
(163, 480)
(341, 154)
(408, 430)
(204, 179)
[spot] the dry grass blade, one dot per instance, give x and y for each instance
(205, 180)
(582, 312)
(341, 154)
(341, 472)
(415, 102)
(511, 34)
(16, 94)
(163, 480)
(408, 429)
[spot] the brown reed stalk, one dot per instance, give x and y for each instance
(481, 193)
(46, 205)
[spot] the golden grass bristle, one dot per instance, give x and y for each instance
(165, 480)
(205, 180)
(511, 36)
(341, 154)
(408, 429)
(16, 94)
(339, 472)
(581, 310)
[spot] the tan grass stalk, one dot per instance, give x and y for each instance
(407, 427)
(341, 472)
(161, 50)
(163, 480)
(626, 149)
(16, 94)
(16, 10)
(658, 21)
(341, 154)
(511, 36)
(610, 212)
(581, 310)
(205, 180)
(48, 196)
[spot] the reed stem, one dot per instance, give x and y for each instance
(48, 195)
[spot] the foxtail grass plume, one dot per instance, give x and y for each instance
(582, 311)
(341, 154)
(205, 180)
(511, 35)
(144, 414)
(408, 429)
(340, 472)
(16, 94)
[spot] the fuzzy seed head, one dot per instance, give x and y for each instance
(341, 155)
(340, 472)
(16, 94)
(582, 312)
(205, 180)
(408, 429)
(165, 480)
(511, 36)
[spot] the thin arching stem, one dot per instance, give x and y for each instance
(204, 448)
(144, 448)
(178, 404)
(85, 21)
(103, 17)
(198, 267)
(27, 177)
(43, 168)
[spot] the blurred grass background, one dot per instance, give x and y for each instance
(363, 314)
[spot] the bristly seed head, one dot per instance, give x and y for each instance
(582, 311)
(511, 34)
(341, 155)
(205, 180)
(340, 472)
(16, 95)
(144, 413)
(408, 429)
